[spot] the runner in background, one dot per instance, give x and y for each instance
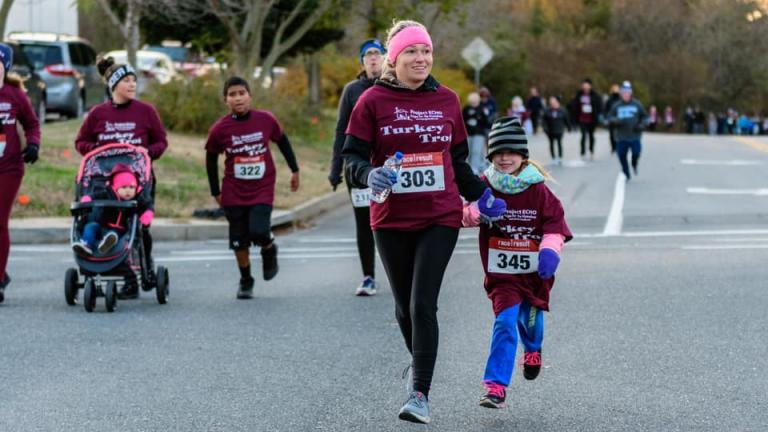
(628, 115)
(14, 107)
(247, 193)
(585, 109)
(372, 60)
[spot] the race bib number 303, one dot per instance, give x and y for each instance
(421, 172)
(510, 256)
(2, 145)
(361, 197)
(250, 168)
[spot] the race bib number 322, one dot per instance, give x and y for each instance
(510, 256)
(421, 172)
(249, 168)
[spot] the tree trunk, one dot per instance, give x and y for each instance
(5, 9)
(133, 36)
(313, 78)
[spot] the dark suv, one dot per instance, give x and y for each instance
(33, 83)
(67, 64)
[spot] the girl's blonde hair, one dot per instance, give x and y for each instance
(388, 71)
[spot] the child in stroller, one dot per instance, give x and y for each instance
(113, 196)
(106, 224)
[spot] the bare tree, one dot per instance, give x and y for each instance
(129, 24)
(5, 9)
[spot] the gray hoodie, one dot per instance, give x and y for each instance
(629, 118)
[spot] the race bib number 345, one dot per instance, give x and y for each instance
(421, 172)
(250, 168)
(510, 256)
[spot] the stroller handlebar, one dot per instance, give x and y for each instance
(77, 206)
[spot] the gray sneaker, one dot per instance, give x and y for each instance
(416, 409)
(108, 242)
(367, 288)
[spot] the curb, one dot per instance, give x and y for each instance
(57, 230)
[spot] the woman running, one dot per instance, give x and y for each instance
(416, 228)
(124, 119)
(14, 106)
(371, 52)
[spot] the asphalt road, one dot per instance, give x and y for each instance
(657, 324)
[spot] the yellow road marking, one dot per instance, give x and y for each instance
(755, 144)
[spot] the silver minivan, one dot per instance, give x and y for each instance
(67, 64)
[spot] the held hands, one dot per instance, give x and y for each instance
(381, 178)
(146, 217)
(548, 262)
(30, 153)
(491, 208)
(295, 182)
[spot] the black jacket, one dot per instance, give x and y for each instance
(594, 99)
(555, 121)
(118, 218)
(349, 97)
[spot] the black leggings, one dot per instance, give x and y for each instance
(555, 138)
(415, 262)
(365, 245)
(587, 129)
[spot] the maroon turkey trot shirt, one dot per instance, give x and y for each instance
(424, 126)
(509, 249)
(249, 170)
(15, 107)
(135, 123)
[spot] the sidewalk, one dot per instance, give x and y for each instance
(57, 230)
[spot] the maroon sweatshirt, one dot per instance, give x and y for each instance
(509, 249)
(249, 170)
(423, 127)
(135, 123)
(15, 106)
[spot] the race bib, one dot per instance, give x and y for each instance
(510, 256)
(421, 172)
(586, 108)
(250, 168)
(2, 145)
(361, 197)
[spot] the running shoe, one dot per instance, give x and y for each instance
(416, 409)
(495, 395)
(129, 291)
(81, 248)
(367, 288)
(245, 291)
(108, 242)
(4, 283)
(531, 364)
(269, 262)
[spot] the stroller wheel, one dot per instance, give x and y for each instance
(89, 295)
(162, 285)
(70, 286)
(110, 296)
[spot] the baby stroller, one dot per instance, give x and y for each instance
(102, 272)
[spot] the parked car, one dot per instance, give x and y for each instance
(152, 66)
(67, 64)
(33, 82)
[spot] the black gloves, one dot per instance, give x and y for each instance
(30, 153)
(335, 180)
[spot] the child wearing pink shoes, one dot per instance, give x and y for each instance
(520, 252)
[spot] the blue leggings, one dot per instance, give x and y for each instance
(522, 317)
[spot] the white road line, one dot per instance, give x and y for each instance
(708, 191)
(735, 162)
(615, 217)
(723, 247)
(678, 233)
(353, 240)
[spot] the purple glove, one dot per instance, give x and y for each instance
(491, 208)
(548, 262)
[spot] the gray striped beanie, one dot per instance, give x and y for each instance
(508, 134)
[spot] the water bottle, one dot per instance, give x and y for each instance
(394, 163)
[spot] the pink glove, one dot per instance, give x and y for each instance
(146, 217)
(85, 199)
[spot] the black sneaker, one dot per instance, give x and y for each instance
(495, 395)
(269, 262)
(245, 291)
(129, 291)
(531, 364)
(4, 283)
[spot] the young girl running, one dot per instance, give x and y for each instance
(520, 253)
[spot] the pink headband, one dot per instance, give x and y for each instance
(406, 37)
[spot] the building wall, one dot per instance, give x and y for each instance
(55, 16)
